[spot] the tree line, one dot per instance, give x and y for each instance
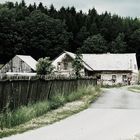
(41, 31)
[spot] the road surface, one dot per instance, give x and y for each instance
(114, 116)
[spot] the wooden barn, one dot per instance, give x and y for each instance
(20, 64)
(107, 68)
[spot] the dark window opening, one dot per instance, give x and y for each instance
(114, 78)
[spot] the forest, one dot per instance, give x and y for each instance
(41, 31)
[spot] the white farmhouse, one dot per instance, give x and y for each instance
(21, 65)
(107, 68)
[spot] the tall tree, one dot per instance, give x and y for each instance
(41, 7)
(134, 41)
(94, 44)
(39, 31)
(82, 35)
(45, 36)
(10, 5)
(119, 45)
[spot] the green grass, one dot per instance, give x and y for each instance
(23, 114)
(113, 86)
(12, 122)
(48, 118)
(82, 92)
(134, 89)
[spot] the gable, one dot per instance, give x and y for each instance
(72, 56)
(29, 61)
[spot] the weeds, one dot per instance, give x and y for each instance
(113, 86)
(57, 101)
(24, 114)
(134, 89)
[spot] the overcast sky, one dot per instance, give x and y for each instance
(122, 7)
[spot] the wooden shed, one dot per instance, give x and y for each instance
(20, 64)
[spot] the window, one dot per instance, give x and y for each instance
(58, 66)
(98, 77)
(131, 64)
(114, 78)
(65, 65)
(69, 65)
(135, 66)
(124, 78)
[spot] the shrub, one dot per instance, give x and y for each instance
(73, 96)
(44, 66)
(56, 101)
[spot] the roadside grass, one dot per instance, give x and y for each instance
(134, 88)
(46, 112)
(113, 86)
(136, 137)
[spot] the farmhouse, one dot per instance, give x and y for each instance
(107, 68)
(20, 64)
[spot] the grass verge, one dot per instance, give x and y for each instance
(113, 86)
(135, 137)
(134, 89)
(44, 113)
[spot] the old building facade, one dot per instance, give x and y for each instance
(20, 64)
(107, 68)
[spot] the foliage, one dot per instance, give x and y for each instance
(118, 45)
(41, 31)
(77, 65)
(44, 66)
(56, 101)
(55, 115)
(23, 114)
(135, 41)
(95, 43)
(135, 89)
(113, 86)
(82, 92)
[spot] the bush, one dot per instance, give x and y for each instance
(56, 101)
(44, 66)
(73, 96)
(112, 86)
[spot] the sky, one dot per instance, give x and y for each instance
(124, 8)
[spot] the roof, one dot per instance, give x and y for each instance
(28, 60)
(108, 61)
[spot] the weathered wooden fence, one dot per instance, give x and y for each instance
(17, 92)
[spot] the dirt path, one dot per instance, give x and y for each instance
(114, 116)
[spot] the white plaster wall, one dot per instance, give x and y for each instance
(107, 78)
(16, 66)
(59, 59)
(68, 73)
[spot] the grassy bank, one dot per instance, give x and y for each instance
(113, 86)
(134, 89)
(136, 137)
(46, 112)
